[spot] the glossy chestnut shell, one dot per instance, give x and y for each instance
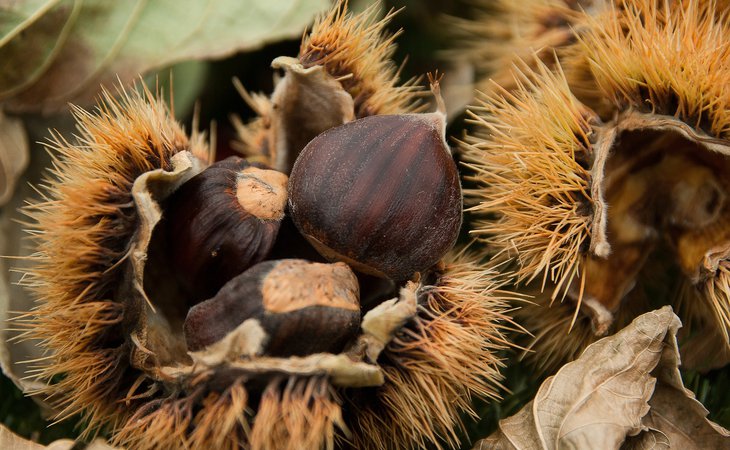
(381, 193)
(223, 221)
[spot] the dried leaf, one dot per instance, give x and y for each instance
(60, 51)
(682, 420)
(13, 297)
(647, 440)
(621, 386)
(11, 441)
(675, 414)
(13, 155)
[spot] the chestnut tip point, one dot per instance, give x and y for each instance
(434, 80)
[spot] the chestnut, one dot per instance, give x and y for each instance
(303, 307)
(380, 193)
(221, 222)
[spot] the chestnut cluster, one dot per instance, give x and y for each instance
(372, 203)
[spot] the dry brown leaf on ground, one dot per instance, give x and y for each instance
(647, 440)
(11, 441)
(682, 421)
(623, 386)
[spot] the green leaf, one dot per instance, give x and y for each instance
(31, 35)
(68, 48)
(179, 85)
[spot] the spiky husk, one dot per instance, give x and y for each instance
(658, 57)
(357, 50)
(555, 338)
(292, 413)
(661, 58)
(446, 357)
(254, 138)
(648, 57)
(555, 335)
(223, 420)
(303, 413)
(501, 33)
(717, 295)
(82, 226)
(532, 173)
(159, 424)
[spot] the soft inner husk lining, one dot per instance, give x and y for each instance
(666, 194)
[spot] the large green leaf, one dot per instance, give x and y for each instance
(31, 35)
(59, 51)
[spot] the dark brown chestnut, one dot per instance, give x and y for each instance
(303, 307)
(381, 193)
(223, 221)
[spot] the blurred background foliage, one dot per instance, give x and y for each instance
(205, 86)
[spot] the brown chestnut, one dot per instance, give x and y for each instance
(303, 307)
(381, 193)
(223, 221)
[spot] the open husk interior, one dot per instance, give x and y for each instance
(159, 395)
(111, 318)
(604, 174)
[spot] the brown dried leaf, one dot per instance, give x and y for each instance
(676, 416)
(621, 386)
(11, 441)
(14, 299)
(681, 419)
(647, 440)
